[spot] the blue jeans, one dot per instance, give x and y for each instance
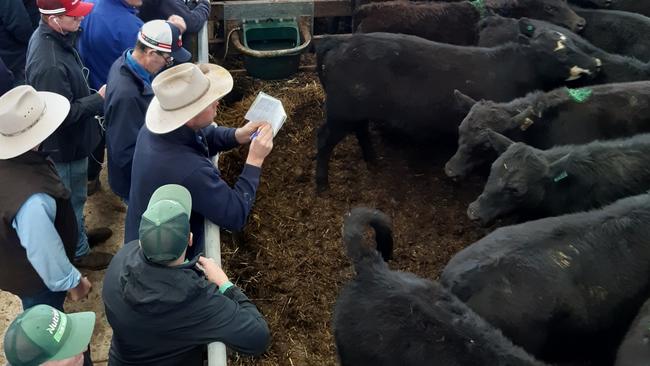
(74, 175)
(47, 297)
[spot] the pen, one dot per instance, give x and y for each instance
(254, 134)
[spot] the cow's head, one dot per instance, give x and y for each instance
(553, 11)
(519, 177)
(556, 57)
(474, 147)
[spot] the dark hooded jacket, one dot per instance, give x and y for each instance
(164, 316)
(54, 65)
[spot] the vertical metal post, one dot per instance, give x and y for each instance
(216, 350)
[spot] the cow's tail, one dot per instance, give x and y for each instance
(354, 227)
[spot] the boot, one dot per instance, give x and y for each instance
(98, 235)
(93, 261)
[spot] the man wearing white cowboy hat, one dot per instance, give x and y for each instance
(53, 64)
(176, 145)
(38, 228)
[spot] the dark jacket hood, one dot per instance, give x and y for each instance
(152, 288)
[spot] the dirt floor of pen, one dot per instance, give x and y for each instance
(290, 260)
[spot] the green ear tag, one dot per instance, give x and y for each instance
(480, 7)
(560, 177)
(579, 95)
(530, 28)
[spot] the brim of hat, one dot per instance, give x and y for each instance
(81, 330)
(57, 108)
(161, 121)
(80, 10)
(173, 192)
(181, 55)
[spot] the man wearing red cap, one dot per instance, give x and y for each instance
(54, 65)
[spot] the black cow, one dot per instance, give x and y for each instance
(388, 318)
(496, 30)
(406, 82)
(456, 22)
(562, 116)
(635, 349)
(571, 178)
(563, 287)
(632, 6)
(617, 32)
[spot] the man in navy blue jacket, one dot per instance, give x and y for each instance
(128, 93)
(177, 141)
(162, 310)
(194, 12)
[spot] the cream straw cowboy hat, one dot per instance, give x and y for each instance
(27, 118)
(182, 92)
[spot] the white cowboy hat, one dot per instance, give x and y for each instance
(27, 118)
(182, 92)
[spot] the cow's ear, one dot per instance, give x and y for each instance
(499, 142)
(463, 101)
(557, 170)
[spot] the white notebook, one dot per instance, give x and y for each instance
(267, 108)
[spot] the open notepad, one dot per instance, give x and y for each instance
(267, 108)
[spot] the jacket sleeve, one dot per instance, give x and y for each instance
(220, 138)
(34, 224)
(194, 18)
(122, 130)
(217, 202)
(234, 320)
(54, 79)
(6, 78)
(16, 20)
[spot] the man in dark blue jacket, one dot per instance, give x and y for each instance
(194, 12)
(162, 310)
(128, 94)
(53, 64)
(177, 141)
(15, 30)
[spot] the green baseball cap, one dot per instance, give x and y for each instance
(165, 225)
(42, 333)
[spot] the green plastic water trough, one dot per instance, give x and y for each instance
(272, 47)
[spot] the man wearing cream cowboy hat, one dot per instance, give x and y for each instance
(177, 142)
(38, 228)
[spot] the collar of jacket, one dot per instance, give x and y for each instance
(145, 87)
(187, 136)
(32, 157)
(67, 40)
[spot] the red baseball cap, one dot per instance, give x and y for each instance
(73, 8)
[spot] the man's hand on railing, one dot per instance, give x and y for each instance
(212, 271)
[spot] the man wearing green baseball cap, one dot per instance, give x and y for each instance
(43, 335)
(164, 308)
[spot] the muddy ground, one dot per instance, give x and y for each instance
(290, 260)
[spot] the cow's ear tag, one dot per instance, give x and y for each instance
(580, 95)
(560, 176)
